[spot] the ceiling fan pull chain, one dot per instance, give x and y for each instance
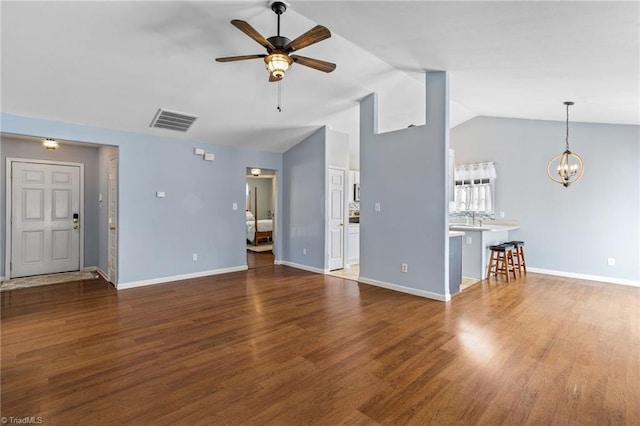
(279, 96)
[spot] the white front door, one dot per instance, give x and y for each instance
(336, 219)
(45, 219)
(112, 269)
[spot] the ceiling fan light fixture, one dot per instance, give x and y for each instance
(278, 64)
(50, 144)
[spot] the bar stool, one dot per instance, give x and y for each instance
(519, 255)
(501, 261)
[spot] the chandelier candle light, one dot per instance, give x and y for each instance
(567, 167)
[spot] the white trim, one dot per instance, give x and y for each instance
(90, 268)
(1, 278)
(303, 267)
(124, 286)
(408, 290)
(609, 280)
(8, 200)
(102, 274)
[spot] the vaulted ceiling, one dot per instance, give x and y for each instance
(113, 64)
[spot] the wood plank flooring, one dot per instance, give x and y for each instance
(276, 345)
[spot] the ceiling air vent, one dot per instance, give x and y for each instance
(172, 120)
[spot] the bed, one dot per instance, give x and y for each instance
(258, 229)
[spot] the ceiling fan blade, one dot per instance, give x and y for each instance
(251, 32)
(239, 58)
(314, 63)
(314, 35)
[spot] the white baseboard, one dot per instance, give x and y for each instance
(408, 290)
(303, 267)
(609, 280)
(90, 268)
(1, 278)
(133, 284)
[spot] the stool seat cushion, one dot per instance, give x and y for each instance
(501, 247)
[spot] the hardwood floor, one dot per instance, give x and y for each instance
(283, 346)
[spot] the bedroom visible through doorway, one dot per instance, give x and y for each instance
(260, 211)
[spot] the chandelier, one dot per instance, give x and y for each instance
(567, 167)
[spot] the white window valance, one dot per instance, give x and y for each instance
(474, 187)
(474, 172)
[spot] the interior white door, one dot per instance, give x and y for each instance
(45, 219)
(336, 219)
(112, 261)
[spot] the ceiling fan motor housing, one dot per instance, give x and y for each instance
(279, 42)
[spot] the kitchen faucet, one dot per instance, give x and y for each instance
(473, 218)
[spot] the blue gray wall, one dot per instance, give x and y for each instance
(305, 168)
(405, 171)
(87, 155)
(572, 230)
(158, 235)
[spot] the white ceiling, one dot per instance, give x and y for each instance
(113, 64)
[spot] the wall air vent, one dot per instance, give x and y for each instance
(173, 120)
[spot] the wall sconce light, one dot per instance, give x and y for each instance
(50, 144)
(567, 167)
(256, 172)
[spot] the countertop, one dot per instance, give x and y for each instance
(484, 227)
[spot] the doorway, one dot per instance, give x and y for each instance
(261, 203)
(45, 213)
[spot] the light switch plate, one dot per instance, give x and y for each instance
(160, 194)
(376, 207)
(209, 157)
(198, 151)
(234, 206)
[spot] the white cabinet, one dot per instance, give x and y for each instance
(353, 244)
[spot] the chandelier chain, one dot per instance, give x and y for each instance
(567, 137)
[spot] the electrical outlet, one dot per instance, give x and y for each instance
(404, 268)
(469, 240)
(304, 251)
(376, 207)
(611, 261)
(194, 256)
(502, 215)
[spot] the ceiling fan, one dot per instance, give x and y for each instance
(278, 58)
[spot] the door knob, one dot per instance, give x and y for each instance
(75, 226)
(112, 227)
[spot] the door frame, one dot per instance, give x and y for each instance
(8, 204)
(112, 252)
(274, 204)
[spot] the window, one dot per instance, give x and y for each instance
(475, 188)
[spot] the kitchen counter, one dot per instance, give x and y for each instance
(455, 233)
(483, 227)
(476, 242)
